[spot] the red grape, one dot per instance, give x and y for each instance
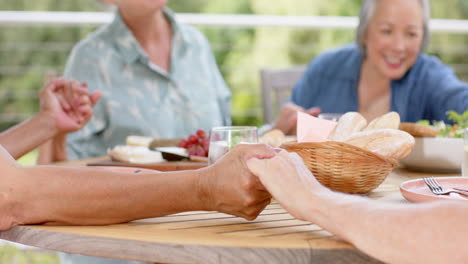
(206, 144)
(200, 152)
(201, 133)
(196, 144)
(193, 139)
(183, 143)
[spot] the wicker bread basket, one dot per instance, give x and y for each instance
(343, 167)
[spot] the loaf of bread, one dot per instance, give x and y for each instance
(389, 120)
(134, 154)
(391, 143)
(138, 141)
(348, 124)
(418, 130)
(273, 138)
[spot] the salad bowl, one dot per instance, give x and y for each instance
(435, 154)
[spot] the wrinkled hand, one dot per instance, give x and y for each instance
(231, 188)
(290, 182)
(67, 103)
(288, 117)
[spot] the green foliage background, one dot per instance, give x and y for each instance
(29, 53)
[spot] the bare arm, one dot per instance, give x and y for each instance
(28, 135)
(53, 150)
(394, 233)
(66, 106)
(85, 196)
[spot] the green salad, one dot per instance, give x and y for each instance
(460, 121)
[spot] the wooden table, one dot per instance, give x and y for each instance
(209, 237)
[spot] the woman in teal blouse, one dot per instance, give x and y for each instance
(158, 78)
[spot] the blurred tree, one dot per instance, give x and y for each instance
(32, 52)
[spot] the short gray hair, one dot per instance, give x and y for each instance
(367, 12)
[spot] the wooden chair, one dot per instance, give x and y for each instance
(276, 89)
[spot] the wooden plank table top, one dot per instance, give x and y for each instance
(210, 237)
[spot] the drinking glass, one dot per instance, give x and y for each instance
(330, 116)
(465, 155)
(223, 139)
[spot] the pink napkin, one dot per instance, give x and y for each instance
(313, 129)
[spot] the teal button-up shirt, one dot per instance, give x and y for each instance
(140, 98)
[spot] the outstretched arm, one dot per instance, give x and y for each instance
(28, 135)
(90, 196)
(393, 233)
(65, 107)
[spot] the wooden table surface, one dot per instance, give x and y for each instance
(209, 237)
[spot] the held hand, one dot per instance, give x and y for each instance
(289, 181)
(231, 188)
(76, 95)
(67, 103)
(287, 120)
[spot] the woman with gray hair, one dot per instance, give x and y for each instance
(385, 70)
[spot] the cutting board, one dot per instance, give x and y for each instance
(160, 166)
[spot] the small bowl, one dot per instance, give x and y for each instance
(435, 154)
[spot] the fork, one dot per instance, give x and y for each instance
(436, 188)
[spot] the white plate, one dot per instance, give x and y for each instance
(435, 155)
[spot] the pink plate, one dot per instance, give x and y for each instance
(124, 169)
(417, 191)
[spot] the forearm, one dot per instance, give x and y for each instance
(53, 150)
(396, 233)
(28, 135)
(87, 196)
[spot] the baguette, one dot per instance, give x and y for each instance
(417, 130)
(389, 120)
(349, 123)
(391, 143)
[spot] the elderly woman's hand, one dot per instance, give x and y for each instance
(67, 103)
(287, 120)
(290, 182)
(229, 187)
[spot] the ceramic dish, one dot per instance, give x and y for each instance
(417, 191)
(435, 155)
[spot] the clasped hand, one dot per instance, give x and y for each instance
(67, 103)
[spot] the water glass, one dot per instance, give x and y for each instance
(465, 155)
(330, 116)
(223, 139)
